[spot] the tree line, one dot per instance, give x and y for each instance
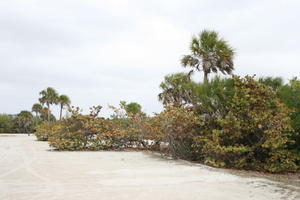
(237, 122)
(25, 121)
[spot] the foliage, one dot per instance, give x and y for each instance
(49, 97)
(44, 115)
(77, 132)
(133, 126)
(177, 90)
(234, 122)
(90, 132)
(290, 95)
(209, 53)
(131, 108)
(212, 98)
(64, 101)
(21, 123)
(7, 124)
(274, 82)
(24, 120)
(141, 130)
(250, 132)
(153, 130)
(44, 130)
(180, 127)
(37, 108)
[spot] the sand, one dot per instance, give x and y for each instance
(29, 170)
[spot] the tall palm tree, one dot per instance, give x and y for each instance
(209, 53)
(37, 108)
(49, 97)
(63, 101)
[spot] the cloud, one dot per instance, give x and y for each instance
(101, 52)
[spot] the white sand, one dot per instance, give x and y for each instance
(29, 171)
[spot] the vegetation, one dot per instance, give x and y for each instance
(37, 109)
(25, 122)
(7, 124)
(64, 101)
(132, 108)
(289, 94)
(233, 122)
(209, 54)
(91, 132)
(251, 132)
(44, 115)
(49, 97)
(44, 130)
(236, 122)
(177, 90)
(20, 123)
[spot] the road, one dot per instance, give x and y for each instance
(29, 170)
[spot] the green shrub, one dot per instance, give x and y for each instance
(236, 122)
(250, 132)
(90, 132)
(44, 130)
(289, 94)
(79, 132)
(180, 127)
(177, 90)
(7, 124)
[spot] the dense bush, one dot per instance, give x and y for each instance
(90, 132)
(251, 131)
(24, 122)
(177, 90)
(7, 124)
(44, 130)
(181, 126)
(153, 131)
(290, 95)
(236, 122)
(79, 132)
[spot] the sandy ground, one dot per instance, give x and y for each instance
(30, 171)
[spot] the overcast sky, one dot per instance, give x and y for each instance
(100, 52)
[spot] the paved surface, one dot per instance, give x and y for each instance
(29, 171)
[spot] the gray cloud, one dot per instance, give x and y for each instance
(101, 52)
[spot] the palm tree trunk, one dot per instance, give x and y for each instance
(205, 80)
(61, 108)
(48, 112)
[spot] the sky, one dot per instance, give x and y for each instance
(100, 52)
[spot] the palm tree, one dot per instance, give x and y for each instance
(209, 54)
(49, 97)
(37, 108)
(63, 101)
(24, 119)
(177, 89)
(44, 114)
